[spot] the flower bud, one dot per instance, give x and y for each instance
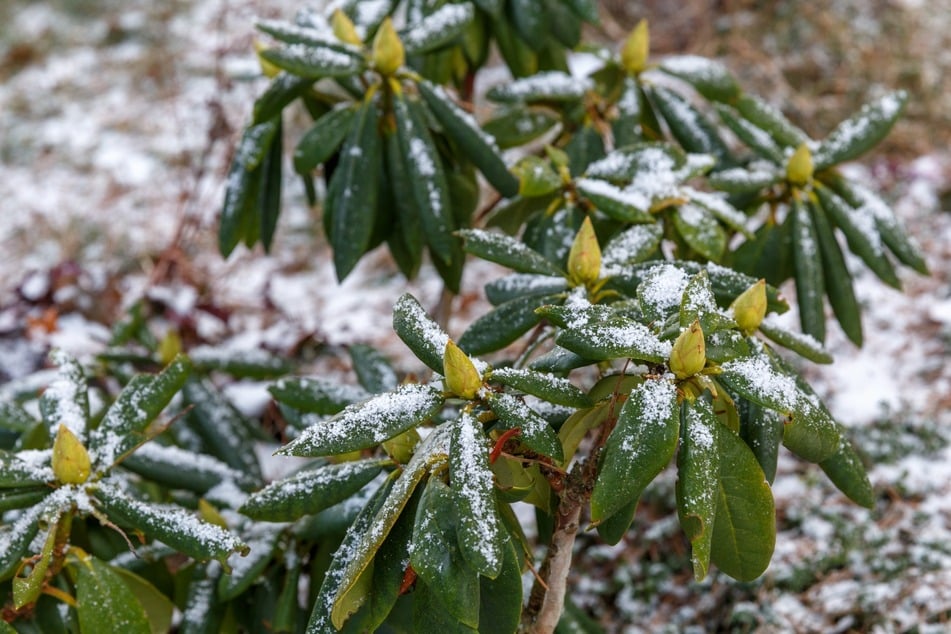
(388, 53)
(343, 28)
(749, 307)
(636, 49)
(462, 378)
(799, 168)
(70, 460)
(584, 259)
(689, 354)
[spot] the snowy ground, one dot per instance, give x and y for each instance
(116, 121)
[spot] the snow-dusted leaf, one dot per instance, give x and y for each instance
(313, 61)
(753, 136)
(744, 531)
(262, 540)
(698, 473)
(661, 291)
(553, 389)
(810, 433)
(65, 401)
(860, 132)
(650, 167)
(800, 343)
(742, 180)
(428, 184)
(507, 288)
(616, 338)
(436, 555)
(640, 446)
(836, 276)
(810, 283)
(507, 251)
(310, 491)
(768, 118)
(709, 77)
(182, 469)
(369, 423)
(16, 472)
(22, 497)
(502, 325)
(626, 205)
(438, 28)
(373, 370)
(137, 405)
(316, 395)
(171, 525)
(861, 230)
(106, 604)
(480, 530)
(701, 231)
(536, 433)
(26, 590)
(720, 208)
(284, 89)
(632, 245)
(202, 613)
(692, 130)
(224, 430)
(479, 147)
(419, 332)
(544, 86)
(762, 431)
(518, 126)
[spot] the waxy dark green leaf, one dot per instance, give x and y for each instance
(709, 77)
(862, 131)
(321, 141)
(105, 603)
(502, 325)
(536, 433)
(420, 332)
(550, 388)
(507, 251)
(698, 475)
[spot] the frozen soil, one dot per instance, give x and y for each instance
(117, 119)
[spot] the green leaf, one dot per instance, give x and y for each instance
(500, 608)
(517, 126)
(369, 423)
(810, 285)
(862, 233)
(310, 491)
(27, 590)
(701, 231)
(769, 254)
(848, 474)
(640, 446)
(15, 540)
(867, 203)
(744, 533)
(284, 89)
(138, 404)
(517, 285)
(762, 431)
(441, 27)
(811, 433)
(620, 204)
(584, 147)
(710, 78)
(507, 251)
(768, 118)
(15, 418)
(419, 332)
(862, 131)
(321, 141)
(373, 370)
(521, 60)
(202, 614)
(246, 364)
(429, 188)
(536, 177)
(478, 146)
(179, 468)
(502, 325)
(19, 498)
(436, 556)
(481, 535)
(743, 180)
(353, 191)
(693, 131)
(269, 197)
(225, 432)
(406, 234)
(66, 401)
(316, 395)
(536, 433)
(615, 338)
(262, 541)
(15, 472)
(104, 602)
(549, 388)
(802, 344)
(169, 524)
(158, 608)
(631, 246)
(836, 276)
(549, 86)
(313, 61)
(698, 475)
(648, 163)
(753, 136)
(613, 529)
